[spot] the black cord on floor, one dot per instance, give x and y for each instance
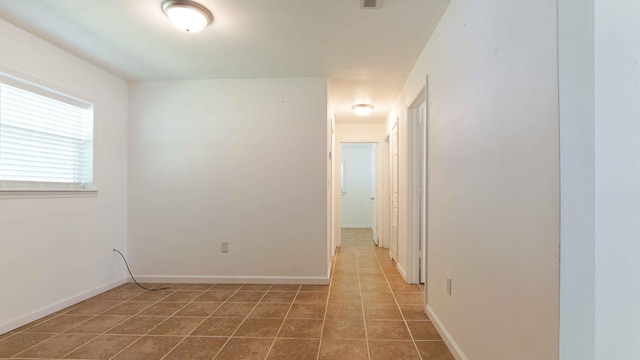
(134, 279)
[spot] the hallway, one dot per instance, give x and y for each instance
(367, 312)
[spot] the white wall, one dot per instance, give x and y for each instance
(359, 160)
(617, 89)
(577, 164)
(56, 251)
(240, 161)
(493, 177)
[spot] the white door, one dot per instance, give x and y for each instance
(358, 183)
(422, 213)
(394, 193)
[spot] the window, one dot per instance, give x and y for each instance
(46, 139)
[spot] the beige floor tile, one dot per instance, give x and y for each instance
(217, 327)
(311, 297)
(301, 328)
(434, 350)
(128, 308)
(307, 311)
(423, 330)
(98, 324)
(347, 297)
(196, 286)
(198, 309)
(233, 310)
(344, 311)
(245, 348)
(226, 287)
(57, 346)
(137, 325)
(340, 349)
(393, 350)
(91, 308)
(414, 312)
(214, 296)
(197, 348)
(294, 349)
(183, 296)
(382, 312)
(103, 347)
(177, 326)
(149, 348)
(58, 324)
(256, 287)
(153, 295)
(20, 342)
(284, 287)
(163, 309)
(268, 310)
(343, 329)
(387, 330)
(410, 298)
(284, 297)
(259, 327)
(247, 296)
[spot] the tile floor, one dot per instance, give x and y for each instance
(368, 312)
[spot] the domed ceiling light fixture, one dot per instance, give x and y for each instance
(187, 15)
(362, 109)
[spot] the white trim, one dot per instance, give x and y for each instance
(38, 314)
(357, 227)
(206, 279)
(402, 272)
(44, 194)
(413, 197)
(448, 339)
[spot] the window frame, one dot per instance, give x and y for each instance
(44, 189)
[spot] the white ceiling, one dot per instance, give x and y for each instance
(366, 54)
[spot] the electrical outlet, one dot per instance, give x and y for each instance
(448, 285)
(224, 247)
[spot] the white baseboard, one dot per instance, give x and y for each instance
(356, 227)
(171, 279)
(402, 272)
(38, 314)
(448, 340)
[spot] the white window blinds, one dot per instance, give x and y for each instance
(46, 139)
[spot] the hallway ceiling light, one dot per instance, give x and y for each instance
(187, 15)
(362, 109)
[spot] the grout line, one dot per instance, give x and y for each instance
(364, 316)
(283, 320)
(326, 304)
(82, 322)
(393, 293)
(203, 320)
(148, 331)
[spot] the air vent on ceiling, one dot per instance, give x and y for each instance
(370, 4)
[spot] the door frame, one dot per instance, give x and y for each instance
(376, 207)
(417, 190)
(337, 171)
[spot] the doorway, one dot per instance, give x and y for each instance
(417, 187)
(358, 186)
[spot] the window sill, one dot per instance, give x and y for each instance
(46, 193)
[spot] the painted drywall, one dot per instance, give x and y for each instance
(617, 110)
(493, 177)
(356, 133)
(238, 161)
(577, 164)
(58, 250)
(358, 162)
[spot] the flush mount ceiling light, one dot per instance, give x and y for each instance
(187, 15)
(362, 109)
